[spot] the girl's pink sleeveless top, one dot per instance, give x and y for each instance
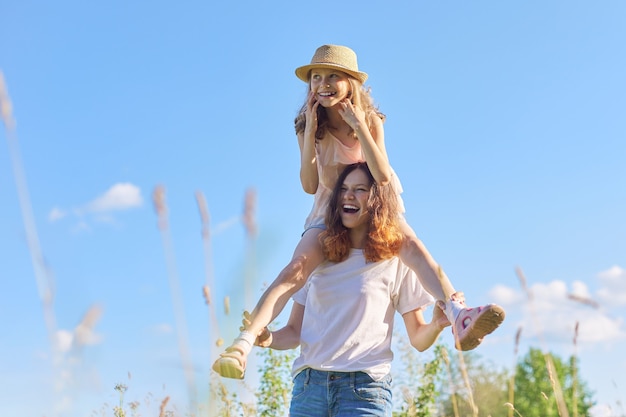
(332, 157)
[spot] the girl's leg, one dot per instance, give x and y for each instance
(415, 255)
(469, 325)
(307, 256)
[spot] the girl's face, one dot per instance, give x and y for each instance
(355, 192)
(329, 85)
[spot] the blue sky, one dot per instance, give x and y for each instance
(505, 124)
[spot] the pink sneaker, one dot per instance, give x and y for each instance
(473, 324)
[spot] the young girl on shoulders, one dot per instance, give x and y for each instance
(339, 125)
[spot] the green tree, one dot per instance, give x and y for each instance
(546, 386)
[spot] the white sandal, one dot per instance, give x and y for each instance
(231, 364)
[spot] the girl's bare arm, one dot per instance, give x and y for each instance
(288, 337)
(421, 334)
(309, 177)
(372, 140)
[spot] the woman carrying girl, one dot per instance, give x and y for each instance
(343, 317)
(338, 125)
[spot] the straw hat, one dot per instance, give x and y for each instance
(333, 57)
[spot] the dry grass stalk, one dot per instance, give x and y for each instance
(160, 206)
(512, 409)
(84, 331)
(227, 305)
(214, 330)
(446, 359)
(593, 304)
(162, 407)
(574, 373)
(463, 367)
(556, 386)
(518, 336)
(204, 214)
(206, 293)
(208, 267)
(584, 300)
(158, 199)
(249, 213)
(523, 282)
(468, 386)
(43, 275)
(6, 107)
(408, 399)
(249, 221)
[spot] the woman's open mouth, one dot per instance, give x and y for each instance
(350, 208)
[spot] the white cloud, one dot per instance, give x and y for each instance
(597, 327)
(161, 329)
(601, 410)
(614, 276)
(580, 289)
(64, 340)
(552, 310)
(56, 214)
(613, 286)
(549, 296)
(81, 227)
(121, 196)
(504, 295)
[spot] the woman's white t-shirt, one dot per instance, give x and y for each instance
(349, 313)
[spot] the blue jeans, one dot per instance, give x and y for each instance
(339, 394)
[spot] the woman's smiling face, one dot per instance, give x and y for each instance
(355, 192)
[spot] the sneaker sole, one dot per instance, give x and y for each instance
(491, 317)
(229, 368)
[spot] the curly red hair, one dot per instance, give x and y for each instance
(385, 236)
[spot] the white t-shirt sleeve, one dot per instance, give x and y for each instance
(408, 293)
(300, 295)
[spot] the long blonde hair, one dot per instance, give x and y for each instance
(384, 237)
(360, 96)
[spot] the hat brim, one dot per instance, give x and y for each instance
(303, 71)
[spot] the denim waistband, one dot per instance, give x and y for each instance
(314, 376)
